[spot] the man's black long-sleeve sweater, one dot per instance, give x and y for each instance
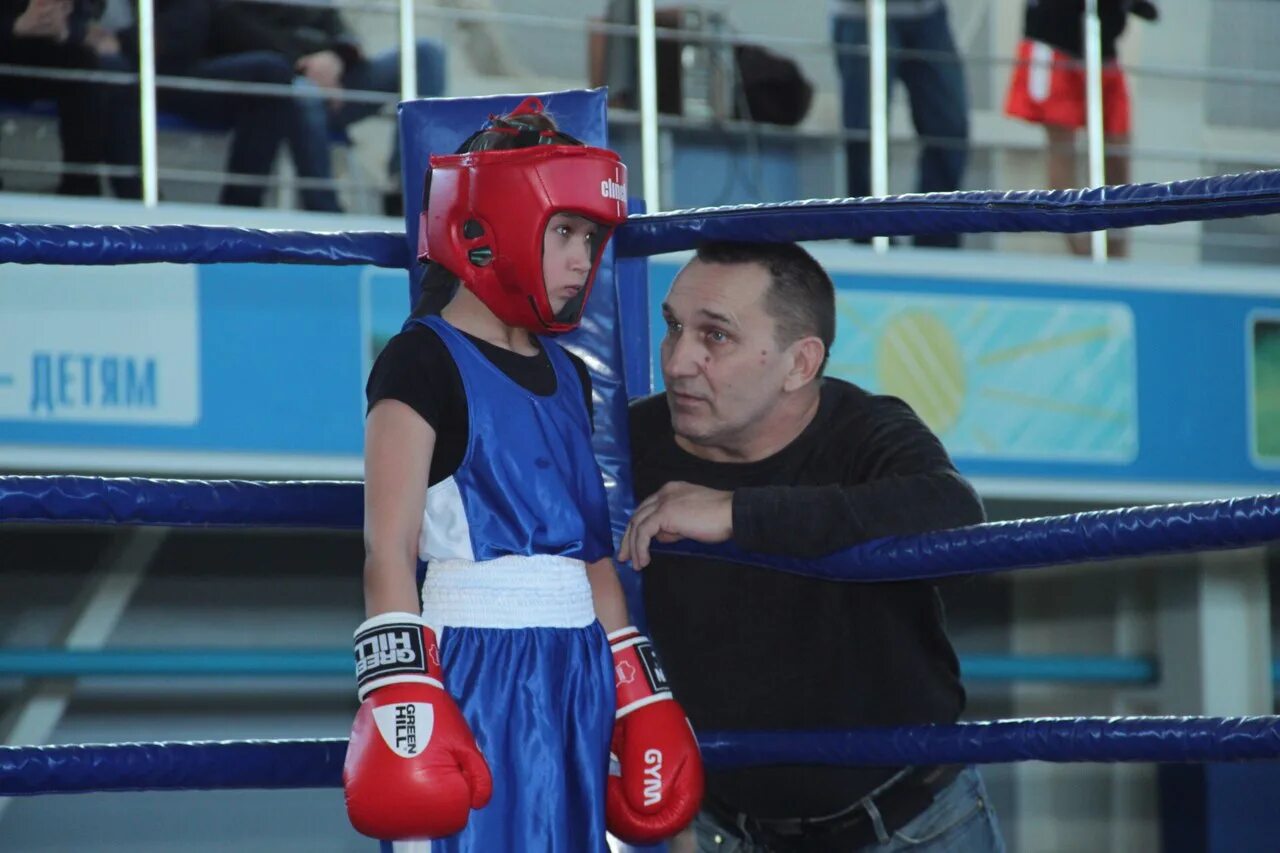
(749, 648)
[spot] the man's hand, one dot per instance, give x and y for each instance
(103, 41)
(677, 511)
(45, 19)
(324, 68)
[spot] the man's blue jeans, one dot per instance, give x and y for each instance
(309, 139)
(961, 820)
(935, 85)
(258, 123)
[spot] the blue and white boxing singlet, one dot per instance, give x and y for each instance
(506, 541)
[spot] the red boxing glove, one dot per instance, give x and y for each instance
(655, 779)
(413, 769)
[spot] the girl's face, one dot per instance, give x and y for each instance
(568, 249)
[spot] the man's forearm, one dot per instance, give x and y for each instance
(809, 521)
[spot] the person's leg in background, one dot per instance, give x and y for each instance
(382, 74)
(309, 146)
(81, 109)
(849, 36)
(1117, 160)
(124, 130)
(1062, 173)
(431, 84)
(1046, 89)
(309, 138)
(850, 39)
(1117, 172)
(259, 123)
(1116, 124)
(1063, 161)
(939, 108)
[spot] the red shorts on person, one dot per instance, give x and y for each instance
(1048, 87)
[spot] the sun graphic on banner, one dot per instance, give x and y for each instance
(917, 359)
(997, 377)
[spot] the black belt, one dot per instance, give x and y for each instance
(850, 829)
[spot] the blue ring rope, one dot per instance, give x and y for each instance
(983, 548)
(1221, 197)
(1198, 199)
(27, 770)
(94, 245)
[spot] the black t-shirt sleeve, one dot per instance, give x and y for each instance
(411, 369)
(1060, 24)
(416, 368)
(900, 481)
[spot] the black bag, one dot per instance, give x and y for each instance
(773, 89)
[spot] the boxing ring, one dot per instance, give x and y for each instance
(996, 547)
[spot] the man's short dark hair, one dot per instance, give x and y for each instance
(801, 298)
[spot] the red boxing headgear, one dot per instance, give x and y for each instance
(486, 212)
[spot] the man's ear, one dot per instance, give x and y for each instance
(806, 360)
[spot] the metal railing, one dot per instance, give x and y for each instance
(647, 119)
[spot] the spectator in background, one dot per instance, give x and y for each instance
(935, 83)
(114, 19)
(57, 34)
(325, 54)
(183, 48)
(1048, 88)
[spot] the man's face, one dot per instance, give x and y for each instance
(722, 366)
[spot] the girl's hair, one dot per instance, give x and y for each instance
(519, 130)
(513, 130)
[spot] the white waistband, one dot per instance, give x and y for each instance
(540, 591)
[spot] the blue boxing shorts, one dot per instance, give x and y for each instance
(530, 668)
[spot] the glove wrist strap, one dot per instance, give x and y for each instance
(396, 648)
(637, 672)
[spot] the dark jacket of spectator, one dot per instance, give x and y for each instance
(295, 31)
(1060, 23)
(181, 34)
